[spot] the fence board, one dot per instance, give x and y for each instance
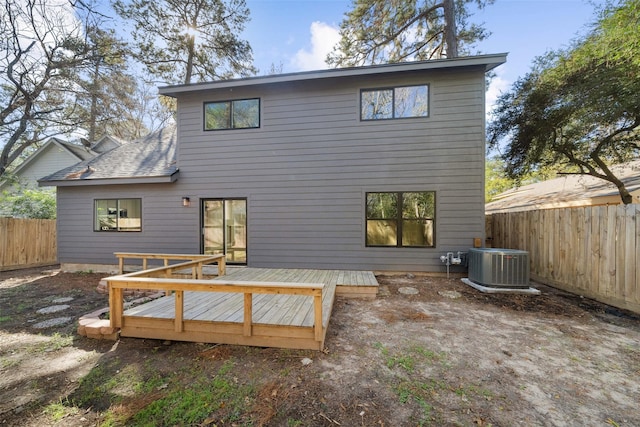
(578, 247)
(591, 251)
(636, 286)
(27, 243)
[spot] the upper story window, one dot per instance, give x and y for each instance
(394, 103)
(118, 215)
(238, 114)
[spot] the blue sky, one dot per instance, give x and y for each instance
(297, 34)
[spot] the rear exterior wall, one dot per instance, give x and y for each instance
(305, 172)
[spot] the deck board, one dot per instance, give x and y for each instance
(279, 320)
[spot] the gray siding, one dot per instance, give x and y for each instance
(305, 173)
(51, 159)
(166, 225)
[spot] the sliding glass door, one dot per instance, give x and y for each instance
(224, 228)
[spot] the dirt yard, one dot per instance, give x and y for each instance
(447, 355)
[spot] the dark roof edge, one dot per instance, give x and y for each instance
(489, 62)
(161, 179)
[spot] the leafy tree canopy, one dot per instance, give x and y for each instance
(29, 203)
(40, 43)
(107, 100)
(61, 72)
(385, 31)
(497, 182)
(577, 110)
(183, 41)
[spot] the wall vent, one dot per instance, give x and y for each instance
(499, 267)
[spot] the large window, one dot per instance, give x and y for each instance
(239, 114)
(401, 219)
(118, 215)
(394, 103)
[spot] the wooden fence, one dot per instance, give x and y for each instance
(27, 243)
(590, 251)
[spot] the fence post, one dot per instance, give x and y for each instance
(592, 251)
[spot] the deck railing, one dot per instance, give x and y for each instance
(163, 278)
(145, 257)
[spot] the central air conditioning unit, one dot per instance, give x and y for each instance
(501, 268)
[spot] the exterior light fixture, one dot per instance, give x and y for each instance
(186, 202)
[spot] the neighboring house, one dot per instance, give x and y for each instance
(105, 144)
(54, 155)
(569, 191)
(372, 168)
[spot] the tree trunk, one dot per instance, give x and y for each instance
(190, 55)
(450, 36)
(626, 197)
(93, 112)
(609, 176)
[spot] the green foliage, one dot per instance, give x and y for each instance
(81, 83)
(382, 31)
(193, 403)
(577, 110)
(58, 411)
(497, 180)
(180, 41)
(30, 203)
(56, 342)
(43, 48)
(109, 102)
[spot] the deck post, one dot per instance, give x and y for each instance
(199, 274)
(121, 264)
(144, 263)
(317, 308)
(179, 321)
(116, 306)
(248, 314)
(222, 266)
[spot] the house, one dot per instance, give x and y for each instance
(370, 168)
(569, 191)
(54, 155)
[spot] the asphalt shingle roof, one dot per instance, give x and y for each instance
(151, 156)
(565, 190)
(78, 150)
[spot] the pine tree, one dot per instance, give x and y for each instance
(185, 41)
(383, 31)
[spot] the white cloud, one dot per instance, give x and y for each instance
(323, 38)
(497, 86)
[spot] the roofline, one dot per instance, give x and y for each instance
(488, 62)
(66, 144)
(159, 179)
(51, 141)
(104, 138)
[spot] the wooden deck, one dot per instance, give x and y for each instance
(349, 283)
(287, 308)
